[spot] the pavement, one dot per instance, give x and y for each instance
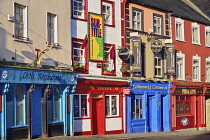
(130, 136)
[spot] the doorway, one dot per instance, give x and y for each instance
(98, 116)
(207, 113)
(150, 113)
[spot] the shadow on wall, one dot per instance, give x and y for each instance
(6, 54)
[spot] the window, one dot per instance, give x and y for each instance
(158, 65)
(52, 28)
(137, 19)
(183, 104)
(80, 106)
(157, 23)
(20, 22)
(180, 66)
(207, 36)
(137, 109)
(79, 9)
(109, 64)
(196, 68)
(179, 29)
(78, 54)
(111, 102)
(54, 105)
(208, 69)
(108, 12)
(195, 33)
(15, 106)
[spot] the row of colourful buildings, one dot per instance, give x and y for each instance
(86, 67)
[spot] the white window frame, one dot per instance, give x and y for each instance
(197, 66)
(207, 69)
(88, 112)
(180, 76)
(108, 14)
(55, 32)
(24, 37)
(135, 20)
(78, 9)
(207, 36)
(196, 26)
(82, 62)
(179, 35)
(140, 108)
(158, 57)
(155, 17)
(110, 105)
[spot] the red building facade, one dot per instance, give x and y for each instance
(189, 84)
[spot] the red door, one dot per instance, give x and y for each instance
(98, 116)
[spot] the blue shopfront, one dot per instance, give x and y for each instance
(35, 103)
(148, 106)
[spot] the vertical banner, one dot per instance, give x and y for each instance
(170, 58)
(96, 37)
(136, 53)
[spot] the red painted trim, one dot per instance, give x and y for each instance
(114, 132)
(85, 11)
(86, 56)
(113, 12)
(82, 133)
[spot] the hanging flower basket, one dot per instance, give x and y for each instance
(123, 70)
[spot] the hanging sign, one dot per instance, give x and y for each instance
(136, 52)
(124, 53)
(96, 37)
(170, 58)
(156, 46)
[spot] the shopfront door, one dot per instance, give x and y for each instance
(97, 116)
(150, 113)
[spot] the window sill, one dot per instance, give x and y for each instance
(181, 40)
(82, 19)
(55, 122)
(196, 44)
(110, 25)
(18, 126)
(196, 80)
(208, 46)
(108, 73)
(20, 39)
(180, 79)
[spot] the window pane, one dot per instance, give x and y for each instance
(84, 106)
(19, 105)
(114, 105)
(107, 106)
(50, 105)
(76, 105)
(57, 104)
(10, 107)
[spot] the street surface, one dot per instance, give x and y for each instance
(174, 135)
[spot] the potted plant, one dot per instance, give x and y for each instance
(78, 67)
(106, 71)
(123, 70)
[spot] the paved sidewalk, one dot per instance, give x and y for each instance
(127, 136)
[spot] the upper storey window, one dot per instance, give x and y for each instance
(179, 29)
(52, 28)
(108, 12)
(20, 23)
(79, 9)
(157, 24)
(207, 29)
(137, 19)
(195, 33)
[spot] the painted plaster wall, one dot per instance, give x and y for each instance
(112, 35)
(186, 47)
(37, 31)
(148, 17)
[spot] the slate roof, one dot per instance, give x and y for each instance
(203, 5)
(177, 7)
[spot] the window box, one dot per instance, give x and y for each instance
(55, 129)
(20, 38)
(123, 70)
(17, 133)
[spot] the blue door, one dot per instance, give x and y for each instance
(150, 113)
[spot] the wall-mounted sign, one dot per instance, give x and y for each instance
(170, 58)
(187, 91)
(124, 53)
(126, 91)
(96, 37)
(185, 121)
(136, 52)
(156, 46)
